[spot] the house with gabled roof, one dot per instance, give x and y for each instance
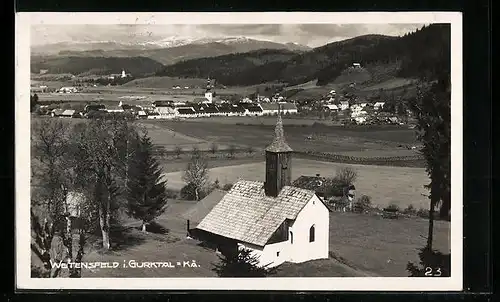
(274, 108)
(195, 214)
(278, 222)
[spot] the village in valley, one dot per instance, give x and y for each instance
(235, 165)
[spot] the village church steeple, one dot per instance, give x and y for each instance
(208, 91)
(278, 161)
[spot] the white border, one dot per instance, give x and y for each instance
(22, 160)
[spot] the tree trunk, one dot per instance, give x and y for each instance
(431, 227)
(104, 223)
(197, 196)
(434, 201)
(105, 239)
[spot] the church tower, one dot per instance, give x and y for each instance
(208, 91)
(278, 161)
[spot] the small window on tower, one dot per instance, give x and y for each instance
(277, 254)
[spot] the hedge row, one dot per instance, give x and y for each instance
(405, 161)
(218, 153)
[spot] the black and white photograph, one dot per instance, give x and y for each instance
(253, 151)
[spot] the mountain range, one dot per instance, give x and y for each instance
(420, 54)
(166, 51)
(241, 61)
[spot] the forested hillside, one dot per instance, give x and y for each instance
(419, 54)
(233, 69)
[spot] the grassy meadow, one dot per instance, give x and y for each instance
(351, 236)
(384, 184)
(329, 139)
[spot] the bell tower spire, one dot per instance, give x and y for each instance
(208, 91)
(278, 160)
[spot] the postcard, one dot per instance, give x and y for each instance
(290, 151)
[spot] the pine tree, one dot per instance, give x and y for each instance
(241, 263)
(33, 102)
(433, 109)
(146, 191)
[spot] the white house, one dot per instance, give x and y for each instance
(185, 112)
(275, 220)
(357, 110)
(63, 113)
(360, 119)
(74, 203)
(331, 107)
(68, 90)
(344, 105)
(378, 105)
(272, 108)
(114, 109)
(165, 112)
(356, 65)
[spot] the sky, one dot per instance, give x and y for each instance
(312, 35)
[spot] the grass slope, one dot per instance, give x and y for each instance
(385, 185)
(137, 66)
(360, 245)
(326, 139)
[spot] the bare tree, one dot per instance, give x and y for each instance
(100, 162)
(50, 144)
(250, 150)
(346, 175)
(195, 149)
(177, 151)
(231, 150)
(42, 244)
(196, 173)
(214, 147)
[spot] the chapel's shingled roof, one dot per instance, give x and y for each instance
(247, 214)
(279, 143)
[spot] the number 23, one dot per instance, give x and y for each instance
(429, 272)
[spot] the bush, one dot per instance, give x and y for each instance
(250, 150)
(392, 207)
(410, 210)
(424, 213)
(335, 190)
(213, 148)
(172, 194)
(227, 187)
(432, 264)
(177, 151)
(364, 203)
(216, 184)
(242, 263)
(231, 150)
(188, 192)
